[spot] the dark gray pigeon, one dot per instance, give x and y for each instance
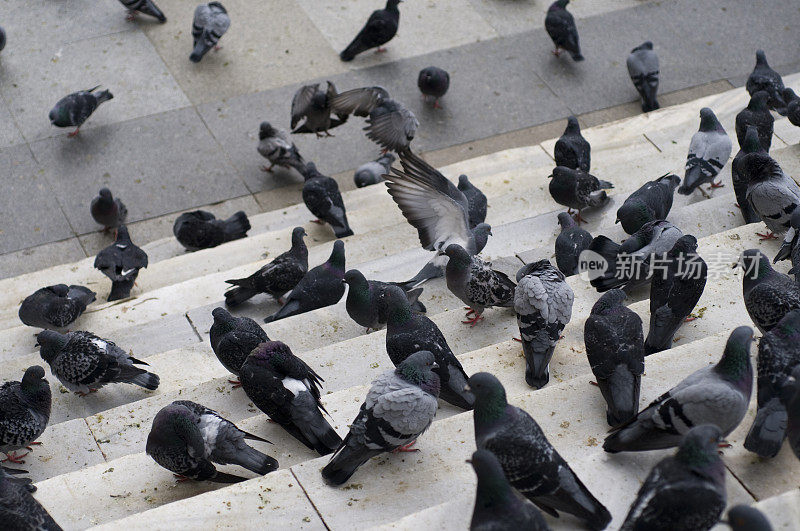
(276, 278)
(322, 197)
(751, 144)
(24, 412)
(372, 172)
(433, 81)
(389, 123)
(211, 21)
(708, 153)
(19, 510)
(73, 109)
(146, 7)
(570, 243)
(380, 28)
(790, 248)
(772, 194)
(202, 230)
(651, 202)
(187, 438)
(314, 105)
(572, 150)
(55, 306)
(399, 407)
(233, 339)
(285, 388)
(676, 287)
(322, 286)
(366, 303)
(407, 332)
(684, 491)
(577, 189)
(108, 211)
(498, 505)
(716, 394)
(475, 199)
(768, 294)
(643, 68)
(529, 461)
(543, 304)
(790, 395)
(765, 78)
(121, 262)
(756, 114)
(560, 25)
(792, 106)
(84, 362)
(615, 348)
(276, 146)
(746, 518)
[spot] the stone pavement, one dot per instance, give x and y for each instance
(179, 135)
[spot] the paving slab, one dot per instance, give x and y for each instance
(9, 133)
(66, 447)
(40, 257)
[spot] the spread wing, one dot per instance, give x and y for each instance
(358, 101)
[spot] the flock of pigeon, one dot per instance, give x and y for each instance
(519, 472)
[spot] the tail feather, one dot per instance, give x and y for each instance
(454, 393)
(120, 289)
(292, 307)
(238, 295)
(766, 435)
(576, 56)
(354, 48)
(691, 180)
(224, 477)
(621, 392)
(255, 461)
(149, 8)
(346, 461)
(640, 435)
(428, 272)
(605, 185)
(236, 226)
(537, 364)
(145, 379)
(413, 299)
(662, 329)
(609, 251)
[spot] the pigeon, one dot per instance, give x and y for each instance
(314, 105)
(276, 278)
(433, 81)
(750, 144)
(643, 69)
(676, 287)
(683, 491)
(389, 123)
(121, 262)
(560, 25)
(84, 362)
(19, 510)
(365, 300)
(322, 197)
(202, 230)
(577, 189)
(572, 150)
(543, 304)
(322, 286)
(778, 355)
(55, 306)
(234, 338)
(768, 294)
(187, 439)
(792, 105)
(570, 243)
(211, 21)
(790, 395)
(790, 247)
(399, 407)
(765, 78)
(497, 504)
(651, 202)
(475, 282)
(476, 201)
(146, 7)
(24, 412)
(276, 146)
(716, 394)
(746, 518)
(756, 114)
(407, 332)
(708, 152)
(372, 172)
(529, 461)
(615, 348)
(73, 109)
(281, 385)
(108, 211)
(381, 27)
(772, 194)
(2, 38)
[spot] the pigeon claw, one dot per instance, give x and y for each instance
(34, 443)
(557, 52)
(12, 457)
(578, 218)
(131, 16)
(406, 448)
(689, 319)
(236, 384)
(380, 49)
(319, 221)
(181, 478)
(267, 169)
(472, 321)
(74, 133)
(517, 339)
(716, 185)
(769, 235)
(592, 382)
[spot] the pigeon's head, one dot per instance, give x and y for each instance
(755, 264)
(490, 395)
(758, 166)
(573, 126)
(391, 5)
(537, 268)
(492, 481)
(265, 130)
(699, 447)
(463, 182)
(671, 179)
(50, 343)
(708, 120)
(646, 45)
(746, 518)
(122, 233)
(558, 4)
(611, 301)
(686, 244)
(751, 143)
(336, 259)
(357, 282)
(270, 353)
(735, 362)
(173, 425)
(222, 317)
(105, 194)
(298, 233)
(633, 214)
(418, 369)
(310, 170)
(789, 327)
(561, 172)
(458, 255)
(566, 221)
(59, 116)
(481, 231)
(59, 290)
(761, 58)
(398, 308)
(34, 385)
(758, 101)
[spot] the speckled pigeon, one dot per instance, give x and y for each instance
(643, 68)
(234, 338)
(790, 395)
(790, 247)
(314, 105)
(366, 304)
(55, 306)
(652, 201)
(560, 25)
(372, 172)
(772, 194)
(276, 146)
(433, 81)
(475, 199)
(577, 189)
(571, 149)
(570, 243)
(24, 412)
(746, 518)
(121, 262)
(146, 7)
(768, 294)
(751, 144)
(108, 211)
(389, 123)
(19, 510)
(765, 78)
(792, 106)
(756, 114)
(708, 153)
(322, 197)
(211, 21)
(380, 28)
(73, 109)
(202, 230)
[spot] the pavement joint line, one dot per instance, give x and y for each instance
(651, 141)
(194, 328)
(300, 484)
(94, 438)
(742, 483)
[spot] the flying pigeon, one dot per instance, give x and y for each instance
(19, 510)
(399, 407)
(790, 395)
(55, 306)
(768, 294)
(708, 152)
(276, 146)
(651, 202)
(380, 28)
(84, 362)
(615, 348)
(211, 21)
(146, 7)
(751, 144)
(73, 109)
(792, 105)
(24, 412)
(529, 461)
(746, 518)
(560, 25)
(389, 123)
(234, 338)
(314, 105)
(543, 304)
(790, 248)
(756, 114)
(187, 439)
(476, 200)
(276, 278)
(433, 81)
(572, 150)
(643, 69)
(108, 211)
(577, 189)
(570, 243)
(716, 394)
(765, 78)
(772, 194)
(202, 230)
(322, 197)
(372, 172)
(366, 303)
(121, 262)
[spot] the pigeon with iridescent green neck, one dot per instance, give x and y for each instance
(19, 510)
(107, 210)
(768, 294)
(750, 144)
(651, 202)
(570, 243)
(366, 303)
(74, 109)
(24, 412)
(571, 149)
(234, 338)
(756, 114)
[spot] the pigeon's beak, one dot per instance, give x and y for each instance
(617, 221)
(734, 265)
(467, 388)
(435, 365)
(550, 176)
(468, 461)
(724, 444)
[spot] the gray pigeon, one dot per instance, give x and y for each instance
(211, 21)
(746, 518)
(19, 510)
(322, 286)
(498, 505)
(202, 230)
(577, 189)
(121, 262)
(73, 109)
(399, 407)
(322, 197)
(765, 78)
(314, 105)
(276, 278)
(24, 412)
(643, 69)
(276, 146)
(571, 149)
(717, 394)
(543, 304)
(615, 348)
(476, 200)
(790, 395)
(751, 144)
(529, 461)
(146, 7)
(84, 362)
(433, 81)
(389, 124)
(560, 25)
(652, 201)
(768, 294)
(187, 438)
(55, 306)
(407, 332)
(570, 243)
(684, 491)
(234, 338)
(778, 355)
(792, 106)
(380, 28)
(366, 303)
(790, 248)
(772, 194)
(108, 211)
(708, 152)
(372, 172)
(756, 114)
